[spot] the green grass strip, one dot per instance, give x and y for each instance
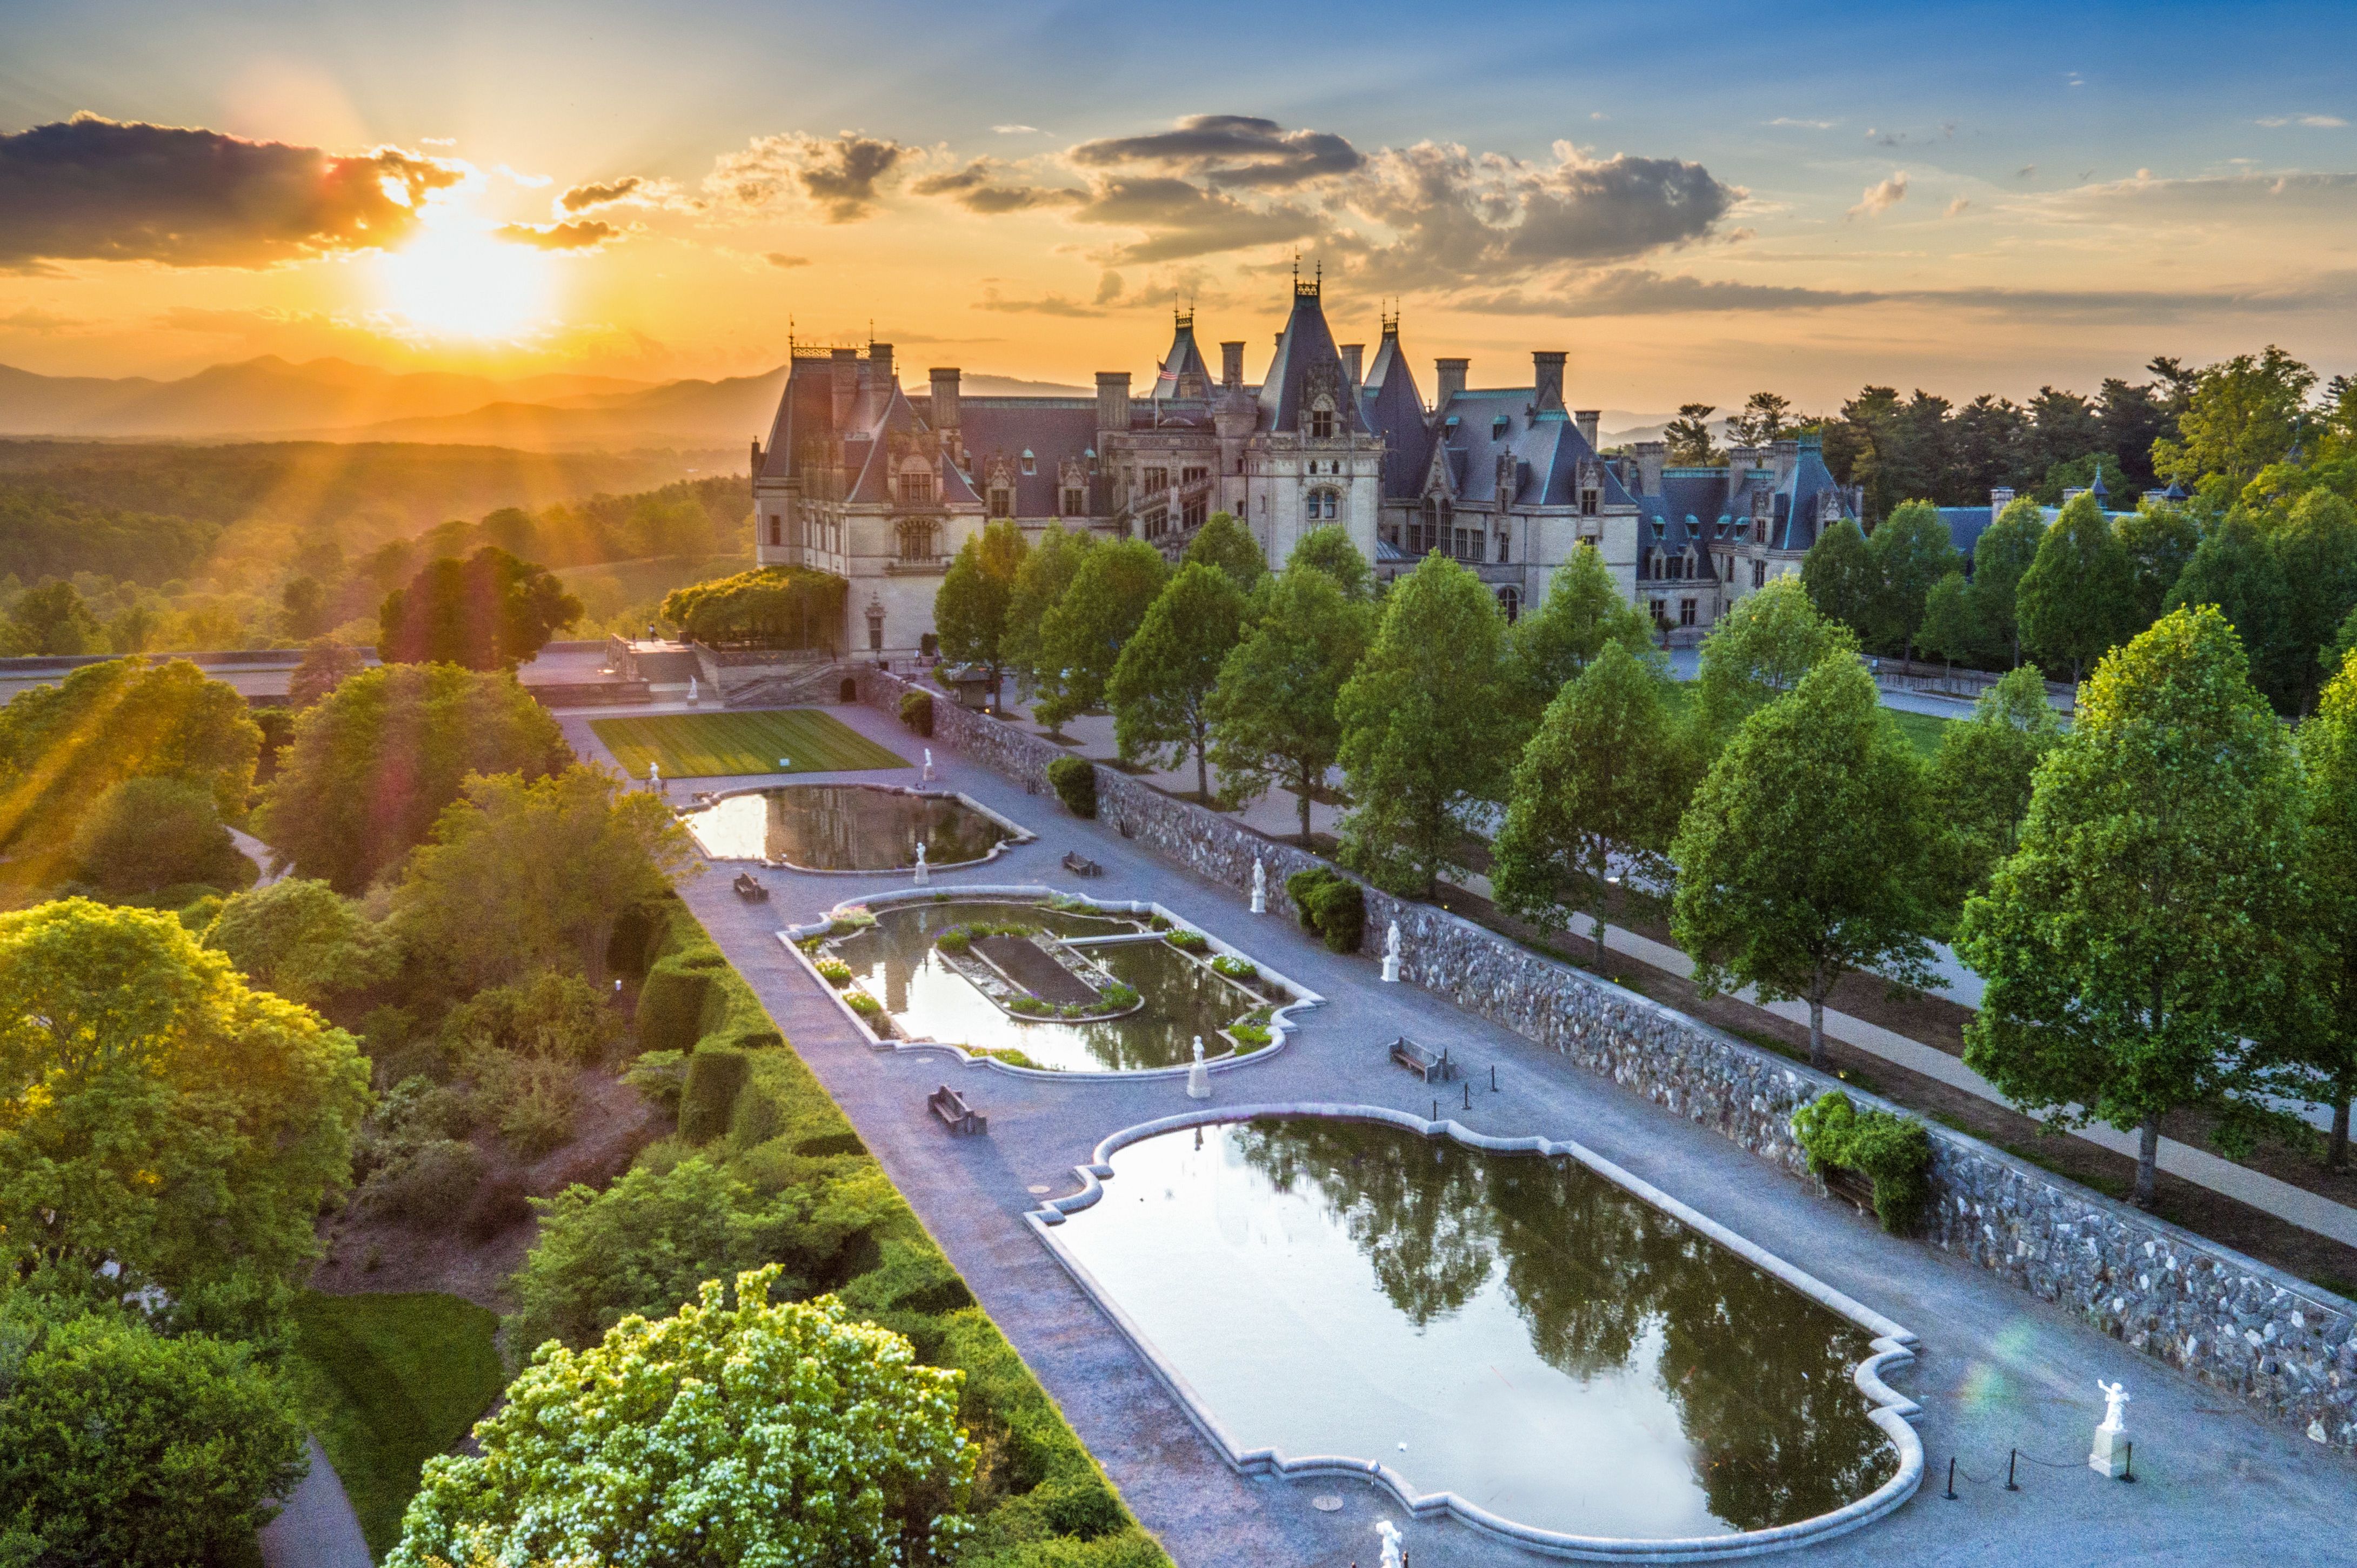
(711, 746)
(406, 1376)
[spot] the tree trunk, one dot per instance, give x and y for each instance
(2148, 1161)
(1202, 778)
(2336, 1148)
(1598, 935)
(1304, 799)
(1817, 1032)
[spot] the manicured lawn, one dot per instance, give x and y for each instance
(405, 1377)
(705, 745)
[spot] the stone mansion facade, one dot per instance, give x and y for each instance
(881, 486)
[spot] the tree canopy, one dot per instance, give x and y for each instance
(1909, 552)
(970, 610)
(2075, 600)
(1081, 638)
(2325, 1049)
(372, 764)
(303, 940)
(1328, 549)
(1840, 575)
(1041, 584)
(1161, 687)
(2003, 553)
(146, 834)
(1980, 781)
(2130, 945)
(770, 606)
(1759, 650)
(1225, 542)
(749, 1433)
(1585, 611)
(1273, 711)
(490, 611)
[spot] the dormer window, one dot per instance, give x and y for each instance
(1589, 501)
(917, 489)
(1501, 424)
(1076, 503)
(1002, 502)
(1321, 420)
(1659, 528)
(1030, 464)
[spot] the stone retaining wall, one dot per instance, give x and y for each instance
(2235, 1323)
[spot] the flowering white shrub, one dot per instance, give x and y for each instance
(772, 1436)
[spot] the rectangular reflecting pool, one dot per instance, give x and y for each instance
(844, 827)
(1512, 1329)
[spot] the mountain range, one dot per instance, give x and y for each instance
(336, 400)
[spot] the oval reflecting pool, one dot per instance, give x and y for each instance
(1512, 1329)
(846, 827)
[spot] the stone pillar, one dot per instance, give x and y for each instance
(1546, 377)
(1450, 379)
(1231, 364)
(1113, 403)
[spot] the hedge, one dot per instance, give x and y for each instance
(917, 712)
(1894, 1152)
(716, 1074)
(1332, 905)
(1075, 778)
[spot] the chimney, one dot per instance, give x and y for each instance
(1546, 377)
(1451, 374)
(1112, 400)
(879, 356)
(757, 459)
(846, 383)
(945, 396)
(1588, 419)
(1352, 353)
(2001, 498)
(1651, 455)
(1231, 364)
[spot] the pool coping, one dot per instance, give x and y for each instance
(1281, 1023)
(1892, 1346)
(1016, 833)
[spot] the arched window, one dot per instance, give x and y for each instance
(1510, 599)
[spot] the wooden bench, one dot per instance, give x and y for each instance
(748, 887)
(1079, 864)
(1432, 1067)
(961, 1119)
(1855, 1188)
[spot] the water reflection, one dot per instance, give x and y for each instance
(1546, 1345)
(928, 1000)
(844, 827)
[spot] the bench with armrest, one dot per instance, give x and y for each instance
(1432, 1067)
(1079, 864)
(961, 1119)
(749, 887)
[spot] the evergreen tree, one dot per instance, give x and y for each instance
(1980, 782)
(1273, 711)
(969, 609)
(2000, 558)
(1584, 612)
(1040, 583)
(1226, 543)
(1840, 575)
(1161, 686)
(1081, 638)
(1911, 552)
(1425, 727)
(1803, 853)
(1602, 783)
(2075, 601)
(2129, 943)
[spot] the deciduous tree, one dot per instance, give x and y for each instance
(2075, 601)
(970, 610)
(2234, 570)
(1910, 550)
(1952, 629)
(2315, 542)
(1602, 784)
(146, 834)
(324, 665)
(1328, 549)
(1980, 782)
(1584, 613)
(1803, 853)
(2001, 557)
(303, 940)
(2240, 417)
(1040, 583)
(490, 611)
(1226, 543)
(1273, 711)
(2130, 944)
(1162, 685)
(1081, 638)
(2325, 1045)
(1760, 651)
(1841, 577)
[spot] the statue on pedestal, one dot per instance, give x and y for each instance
(1260, 887)
(692, 698)
(1391, 955)
(2110, 1455)
(924, 872)
(1198, 1077)
(929, 764)
(1389, 1535)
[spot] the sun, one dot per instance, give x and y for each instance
(456, 281)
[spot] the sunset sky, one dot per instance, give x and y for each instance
(1695, 202)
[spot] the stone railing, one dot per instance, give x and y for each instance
(2286, 1346)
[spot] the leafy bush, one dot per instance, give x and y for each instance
(303, 940)
(1030, 1006)
(1235, 968)
(834, 971)
(1892, 1151)
(557, 1017)
(1332, 905)
(716, 1075)
(867, 1006)
(1118, 995)
(150, 832)
(428, 1184)
(660, 1075)
(956, 940)
(1250, 1037)
(1074, 779)
(530, 1101)
(917, 712)
(1189, 941)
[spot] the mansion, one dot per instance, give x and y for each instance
(881, 487)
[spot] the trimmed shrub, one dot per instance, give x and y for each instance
(834, 971)
(917, 712)
(430, 1185)
(716, 1075)
(1117, 995)
(867, 1006)
(1332, 905)
(671, 1007)
(1250, 1037)
(1891, 1151)
(1235, 968)
(756, 1119)
(1189, 941)
(1076, 782)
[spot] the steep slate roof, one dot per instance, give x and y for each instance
(1306, 345)
(1052, 429)
(876, 414)
(1476, 425)
(1183, 360)
(1393, 409)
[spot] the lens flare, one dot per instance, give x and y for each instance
(454, 280)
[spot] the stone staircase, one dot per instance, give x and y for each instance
(812, 686)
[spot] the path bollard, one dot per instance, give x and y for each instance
(1469, 1097)
(2009, 1460)
(1951, 1493)
(1493, 1078)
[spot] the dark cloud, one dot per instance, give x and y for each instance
(95, 189)
(781, 260)
(844, 179)
(1241, 151)
(1051, 305)
(583, 197)
(1637, 291)
(977, 189)
(1181, 218)
(583, 234)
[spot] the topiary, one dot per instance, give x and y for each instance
(1893, 1152)
(1332, 905)
(1076, 782)
(670, 1005)
(716, 1074)
(917, 712)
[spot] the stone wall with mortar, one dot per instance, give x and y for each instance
(2235, 1323)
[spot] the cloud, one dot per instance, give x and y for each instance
(1018, 129)
(1109, 288)
(781, 260)
(95, 189)
(843, 178)
(583, 234)
(2314, 122)
(1637, 291)
(975, 187)
(1956, 208)
(33, 318)
(1631, 291)
(2025, 171)
(1791, 125)
(583, 197)
(1183, 220)
(1882, 197)
(1050, 304)
(1230, 151)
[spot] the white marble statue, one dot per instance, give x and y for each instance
(2115, 1401)
(929, 764)
(1260, 888)
(2110, 1455)
(692, 698)
(1198, 1077)
(924, 872)
(1391, 955)
(1389, 1535)
(654, 776)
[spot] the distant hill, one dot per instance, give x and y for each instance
(335, 399)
